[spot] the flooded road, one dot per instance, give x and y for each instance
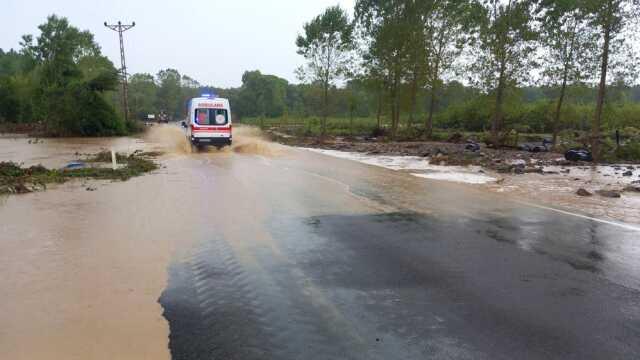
(266, 252)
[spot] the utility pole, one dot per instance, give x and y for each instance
(120, 28)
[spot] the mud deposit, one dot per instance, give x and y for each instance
(553, 186)
(559, 188)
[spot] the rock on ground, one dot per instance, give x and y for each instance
(609, 193)
(583, 192)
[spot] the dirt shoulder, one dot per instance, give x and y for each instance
(444, 153)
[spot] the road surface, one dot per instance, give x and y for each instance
(265, 252)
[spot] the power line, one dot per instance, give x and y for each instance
(120, 28)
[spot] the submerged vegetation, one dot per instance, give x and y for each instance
(15, 179)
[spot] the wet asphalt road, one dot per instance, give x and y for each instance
(303, 256)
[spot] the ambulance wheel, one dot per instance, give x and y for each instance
(194, 148)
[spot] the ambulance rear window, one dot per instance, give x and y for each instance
(211, 117)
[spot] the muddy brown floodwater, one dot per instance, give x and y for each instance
(82, 270)
(260, 251)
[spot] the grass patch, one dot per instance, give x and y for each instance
(15, 179)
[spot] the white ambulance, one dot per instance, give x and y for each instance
(208, 121)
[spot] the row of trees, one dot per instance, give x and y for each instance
(271, 96)
(403, 47)
(167, 91)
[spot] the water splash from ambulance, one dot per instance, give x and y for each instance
(250, 140)
(168, 139)
(246, 140)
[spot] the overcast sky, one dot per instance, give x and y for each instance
(213, 41)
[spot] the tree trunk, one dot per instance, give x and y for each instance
(597, 119)
(393, 114)
(379, 111)
(395, 104)
(325, 100)
(428, 133)
(414, 95)
(325, 104)
(568, 58)
(556, 117)
(351, 121)
(352, 109)
(497, 116)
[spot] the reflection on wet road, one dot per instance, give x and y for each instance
(276, 253)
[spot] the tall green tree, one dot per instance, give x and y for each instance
(59, 48)
(390, 45)
(143, 92)
(86, 111)
(447, 26)
(190, 89)
(13, 62)
(170, 92)
(17, 86)
(374, 80)
(610, 18)
(504, 52)
(72, 77)
(569, 43)
(262, 95)
(326, 44)
(416, 61)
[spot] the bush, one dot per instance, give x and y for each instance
(630, 133)
(629, 151)
(471, 115)
(77, 109)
